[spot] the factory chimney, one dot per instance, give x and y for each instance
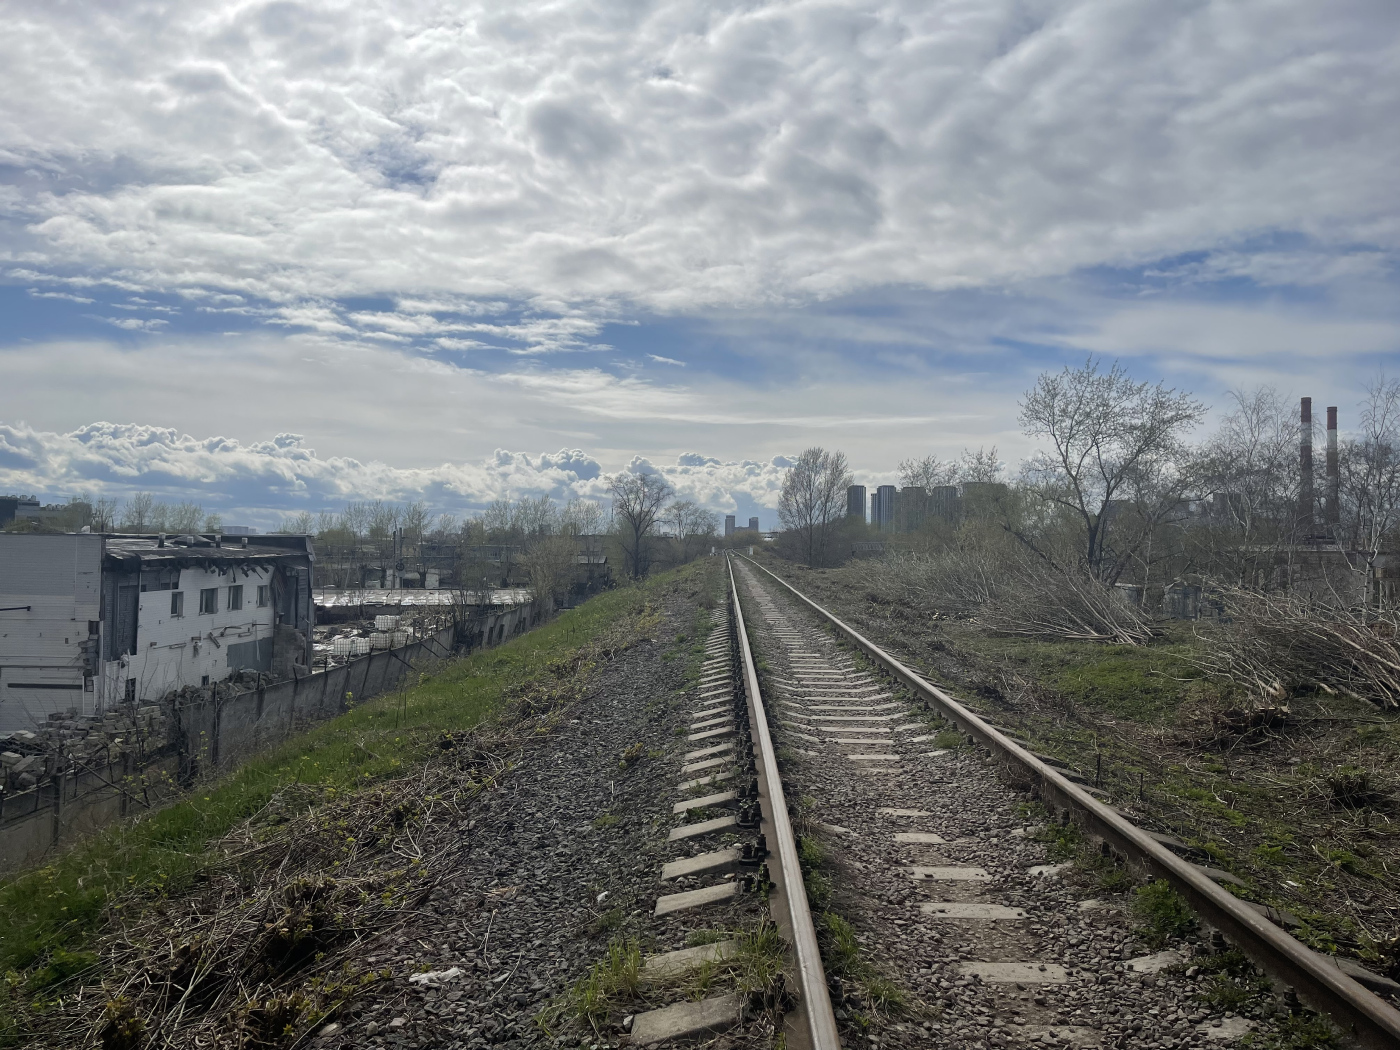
(1305, 456)
(1334, 474)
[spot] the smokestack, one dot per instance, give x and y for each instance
(1305, 487)
(1334, 474)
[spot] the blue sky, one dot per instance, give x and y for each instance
(274, 256)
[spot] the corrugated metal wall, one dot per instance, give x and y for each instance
(50, 588)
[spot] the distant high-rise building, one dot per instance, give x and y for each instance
(882, 507)
(729, 524)
(945, 503)
(913, 508)
(855, 502)
(753, 524)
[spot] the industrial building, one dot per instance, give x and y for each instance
(28, 508)
(90, 621)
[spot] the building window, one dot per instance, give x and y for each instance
(263, 597)
(204, 680)
(177, 603)
(235, 597)
(209, 600)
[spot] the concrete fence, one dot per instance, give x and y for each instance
(214, 735)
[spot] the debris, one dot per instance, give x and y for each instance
(436, 978)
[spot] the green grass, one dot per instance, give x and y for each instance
(1306, 1031)
(57, 906)
(611, 981)
(1140, 683)
(1163, 914)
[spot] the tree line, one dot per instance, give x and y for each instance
(1119, 492)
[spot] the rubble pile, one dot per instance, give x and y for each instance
(69, 741)
(243, 681)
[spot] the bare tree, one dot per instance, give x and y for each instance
(414, 521)
(813, 499)
(1249, 471)
(136, 514)
(637, 502)
(581, 517)
(186, 517)
(694, 526)
(552, 563)
(1117, 453)
(928, 473)
(536, 517)
(931, 472)
(498, 520)
(104, 514)
(983, 466)
(355, 520)
(299, 524)
(383, 520)
(1371, 476)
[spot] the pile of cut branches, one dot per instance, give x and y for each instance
(1277, 644)
(957, 580)
(1041, 600)
(1008, 590)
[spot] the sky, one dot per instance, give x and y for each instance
(276, 256)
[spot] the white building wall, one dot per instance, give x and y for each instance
(50, 588)
(176, 651)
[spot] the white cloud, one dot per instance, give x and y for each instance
(135, 324)
(681, 154)
(1221, 333)
(59, 295)
(264, 479)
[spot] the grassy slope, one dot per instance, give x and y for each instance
(53, 908)
(1262, 808)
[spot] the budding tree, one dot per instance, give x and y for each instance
(813, 499)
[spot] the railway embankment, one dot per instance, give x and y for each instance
(469, 861)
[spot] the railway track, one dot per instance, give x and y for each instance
(941, 915)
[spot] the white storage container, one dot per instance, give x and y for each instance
(380, 640)
(359, 646)
(342, 646)
(400, 638)
(386, 623)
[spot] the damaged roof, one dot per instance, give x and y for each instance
(178, 551)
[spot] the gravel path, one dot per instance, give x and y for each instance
(951, 899)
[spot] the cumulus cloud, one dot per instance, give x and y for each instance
(136, 324)
(680, 154)
(263, 480)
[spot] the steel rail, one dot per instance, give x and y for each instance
(1314, 977)
(817, 1024)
